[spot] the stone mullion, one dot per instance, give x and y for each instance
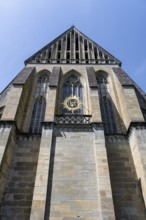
(92, 57)
(42, 175)
(98, 56)
(106, 208)
(88, 52)
(103, 57)
(72, 47)
(79, 51)
(63, 50)
(82, 51)
(54, 53)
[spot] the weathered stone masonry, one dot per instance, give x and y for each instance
(72, 137)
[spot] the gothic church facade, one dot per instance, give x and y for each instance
(72, 137)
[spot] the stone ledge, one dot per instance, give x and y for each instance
(77, 127)
(137, 126)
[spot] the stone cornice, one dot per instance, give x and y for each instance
(77, 127)
(7, 124)
(136, 125)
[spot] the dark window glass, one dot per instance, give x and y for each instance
(77, 57)
(39, 107)
(1, 111)
(77, 43)
(100, 55)
(68, 42)
(38, 115)
(85, 45)
(72, 87)
(59, 45)
(106, 105)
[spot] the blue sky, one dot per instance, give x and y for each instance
(117, 26)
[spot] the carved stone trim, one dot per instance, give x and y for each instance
(73, 127)
(116, 138)
(7, 124)
(48, 125)
(98, 126)
(28, 136)
(73, 119)
(137, 126)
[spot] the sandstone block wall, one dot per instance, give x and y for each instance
(137, 140)
(127, 196)
(76, 186)
(18, 189)
(7, 147)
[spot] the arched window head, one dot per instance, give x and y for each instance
(106, 105)
(38, 115)
(39, 106)
(72, 80)
(42, 85)
(72, 97)
(101, 79)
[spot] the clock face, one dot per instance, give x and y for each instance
(72, 103)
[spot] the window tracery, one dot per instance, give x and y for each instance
(106, 104)
(39, 107)
(38, 115)
(73, 88)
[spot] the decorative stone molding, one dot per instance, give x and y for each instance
(7, 124)
(72, 127)
(28, 136)
(73, 119)
(137, 126)
(48, 125)
(116, 138)
(97, 126)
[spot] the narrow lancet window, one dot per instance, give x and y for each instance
(72, 97)
(38, 115)
(39, 107)
(106, 105)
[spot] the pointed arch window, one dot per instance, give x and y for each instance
(106, 105)
(38, 115)
(72, 88)
(39, 107)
